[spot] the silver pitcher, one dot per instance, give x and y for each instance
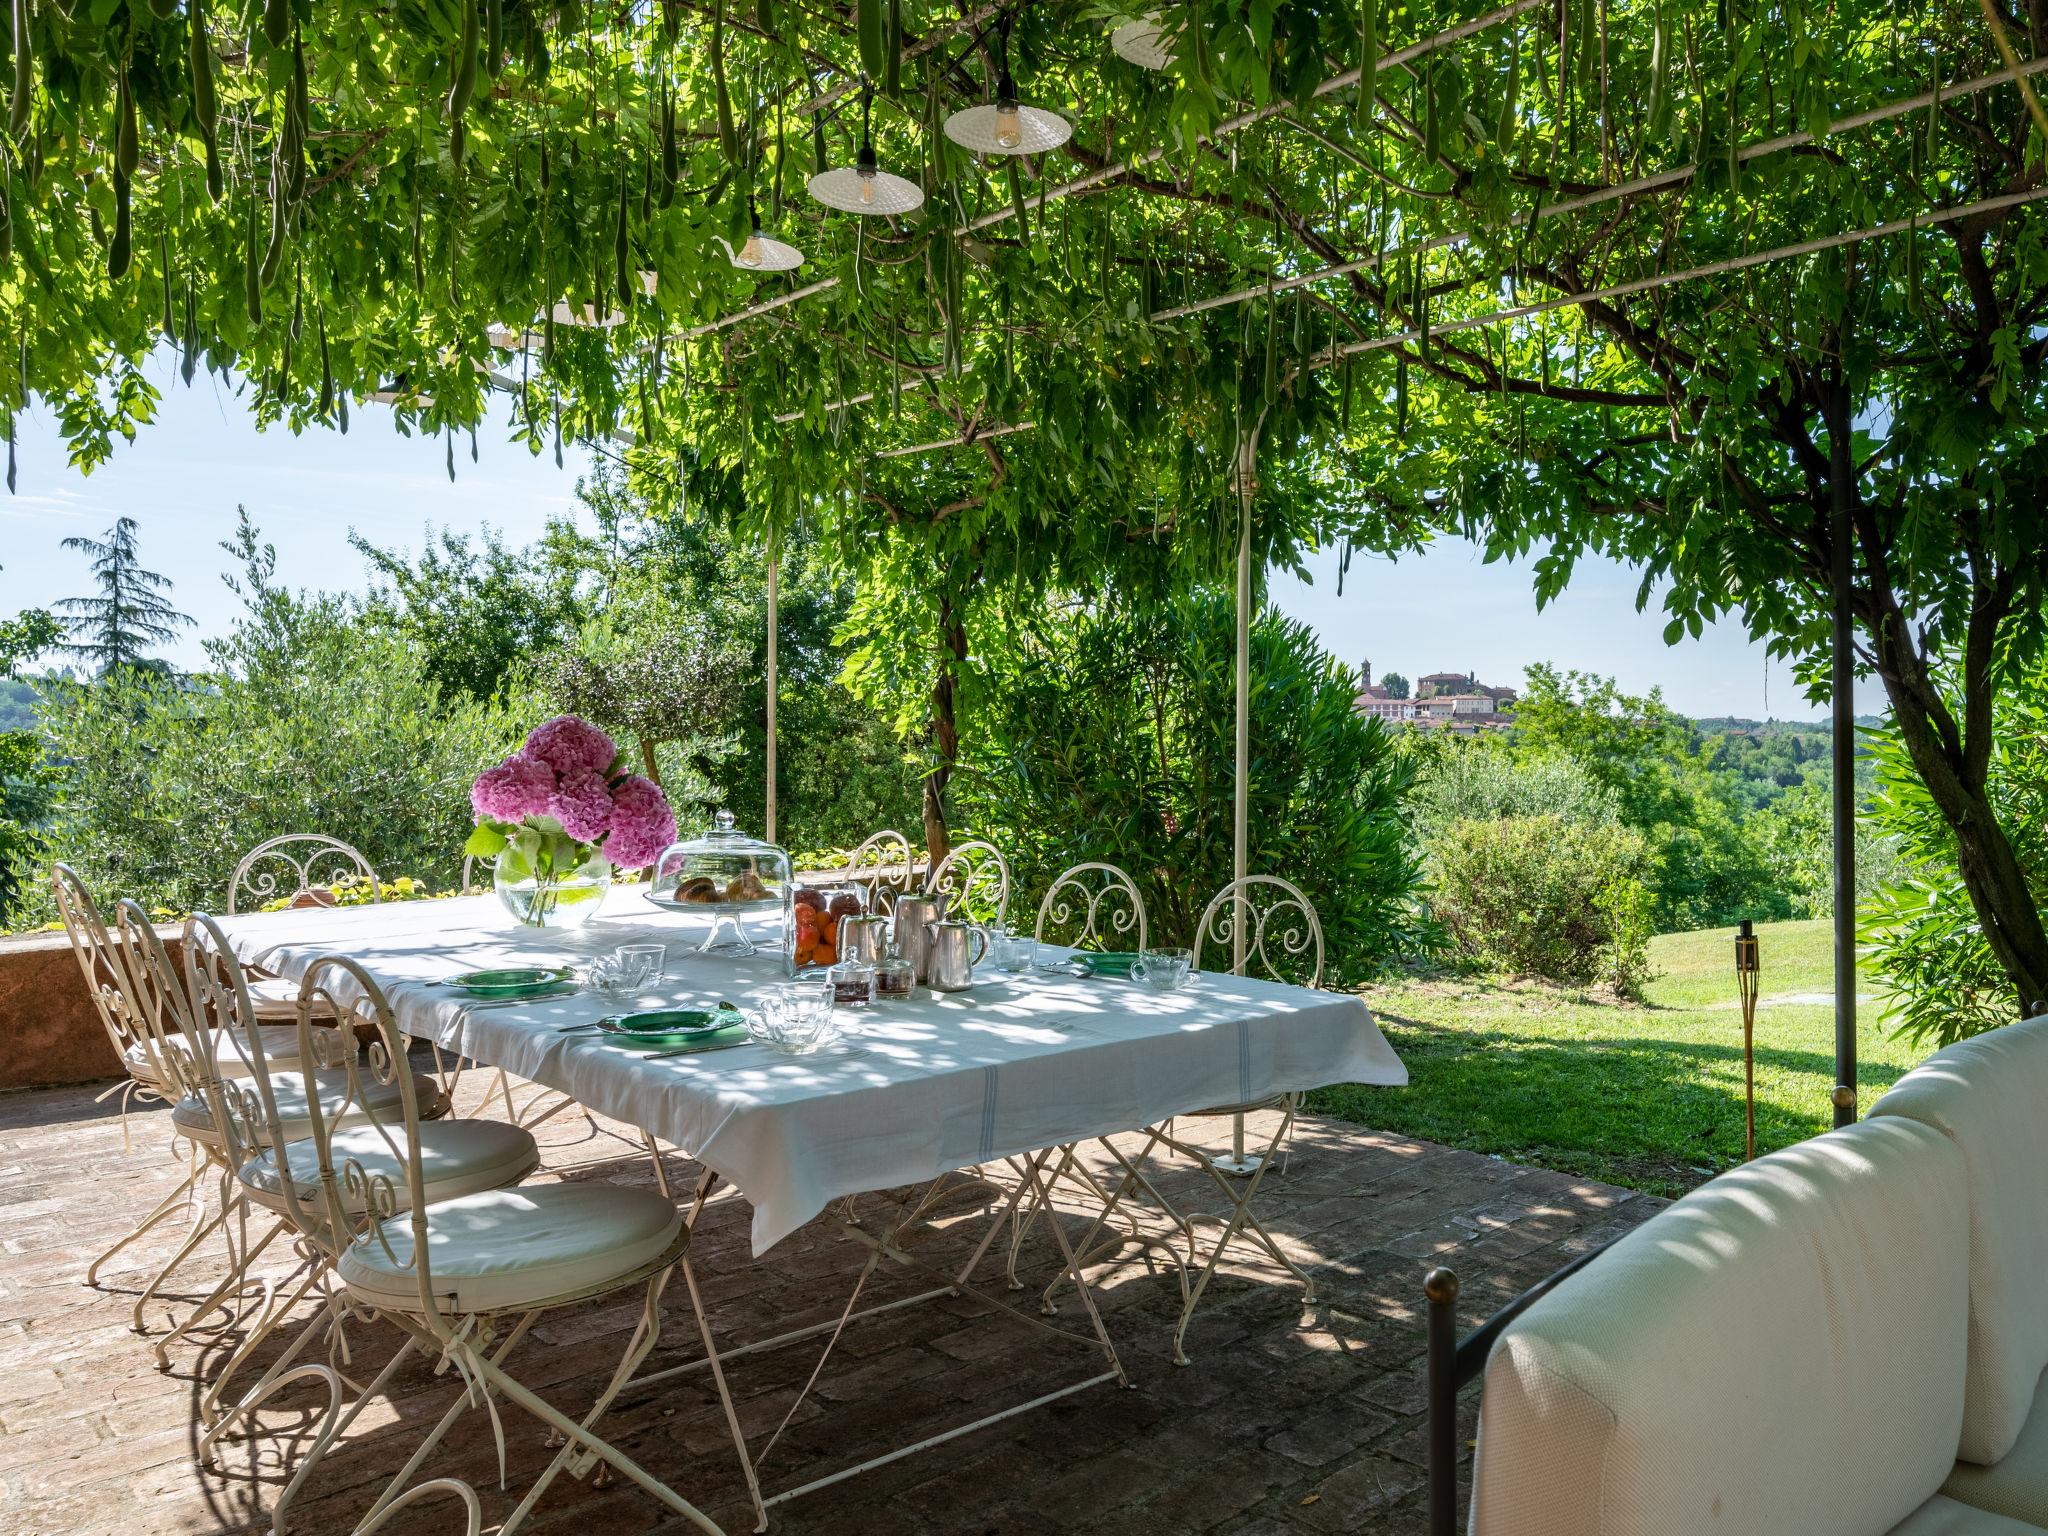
(864, 938)
(952, 957)
(916, 916)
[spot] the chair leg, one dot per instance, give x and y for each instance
(199, 1233)
(178, 1199)
(209, 1405)
(235, 1280)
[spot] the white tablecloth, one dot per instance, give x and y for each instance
(943, 1081)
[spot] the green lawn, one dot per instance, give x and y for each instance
(1648, 1095)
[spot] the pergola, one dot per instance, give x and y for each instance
(1080, 302)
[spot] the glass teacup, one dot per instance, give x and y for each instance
(1009, 951)
(1163, 970)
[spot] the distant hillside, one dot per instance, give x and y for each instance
(1713, 725)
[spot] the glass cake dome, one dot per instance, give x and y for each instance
(726, 876)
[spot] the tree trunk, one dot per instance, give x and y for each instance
(1990, 870)
(647, 760)
(945, 732)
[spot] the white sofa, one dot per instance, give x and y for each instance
(1988, 1097)
(1804, 1346)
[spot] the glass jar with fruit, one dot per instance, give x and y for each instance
(819, 911)
(728, 877)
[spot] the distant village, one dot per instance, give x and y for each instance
(1437, 701)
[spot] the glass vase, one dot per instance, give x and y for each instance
(553, 901)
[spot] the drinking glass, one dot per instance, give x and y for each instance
(795, 1020)
(1163, 970)
(1010, 951)
(653, 956)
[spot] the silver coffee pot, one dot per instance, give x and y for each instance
(953, 956)
(916, 916)
(864, 938)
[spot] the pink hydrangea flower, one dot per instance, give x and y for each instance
(569, 745)
(583, 806)
(519, 787)
(642, 823)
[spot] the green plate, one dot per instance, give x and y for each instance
(1108, 962)
(673, 1026)
(522, 981)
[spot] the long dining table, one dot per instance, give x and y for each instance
(1010, 1071)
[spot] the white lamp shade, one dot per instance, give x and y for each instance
(1142, 43)
(762, 254)
(586, 314)
(874, 192)
(1020, 131)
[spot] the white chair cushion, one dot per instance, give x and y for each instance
(513, 1248)
(1941, 1516)
(1989, 1095)
(1779, 1352)
(193, 1116)
(457, 1157)
(231, 1051)
(2017, 1485)
(273, 997)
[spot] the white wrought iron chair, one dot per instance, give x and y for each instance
(279, 1172)
(1110, 909)
(109, 981)
(465, 1278)
(977, 877)
(197, 1012)
(885, 866)
(1267, 924)
(291, 869)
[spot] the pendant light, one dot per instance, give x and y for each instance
(1007, 128)
(863, 187)
(762, 253)
(1143, 43)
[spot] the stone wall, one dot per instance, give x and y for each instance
(50, 1032)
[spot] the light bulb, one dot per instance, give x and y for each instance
(867, 185)
(1009, 125)
(750, 253)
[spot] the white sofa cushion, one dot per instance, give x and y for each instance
(2018, 1484)
(511, 1248)
(1989, 1095)
(457, 1157)
(1779, 1352)
(1941, 1516)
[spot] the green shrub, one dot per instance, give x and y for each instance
(1108, 733)
(1542, 896)
(165, 783)
(1480, 780)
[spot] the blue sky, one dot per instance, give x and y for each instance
(183, 476)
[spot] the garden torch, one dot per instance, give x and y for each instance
(1745, 985)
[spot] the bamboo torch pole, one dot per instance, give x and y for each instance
(1746, 986)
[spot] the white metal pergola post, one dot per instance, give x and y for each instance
(774, 597)
(1245, 475)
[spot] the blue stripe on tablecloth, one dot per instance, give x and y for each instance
(1244, 1061)
(988, 1114)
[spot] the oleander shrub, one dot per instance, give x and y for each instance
(1541, 896)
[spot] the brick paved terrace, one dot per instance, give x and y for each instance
(1288, 1420)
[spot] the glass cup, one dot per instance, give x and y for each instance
(795, 1020)
(620, 974)
(1163, 970)
(1009, 951)
(653, 956)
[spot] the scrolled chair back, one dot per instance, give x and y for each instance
(294, 866)
(1281, 933)
(217, 995)
(883, 865)
(977, 876)
(382, 1095)
(179, 1046)
(1092, 906)
(109, 969)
